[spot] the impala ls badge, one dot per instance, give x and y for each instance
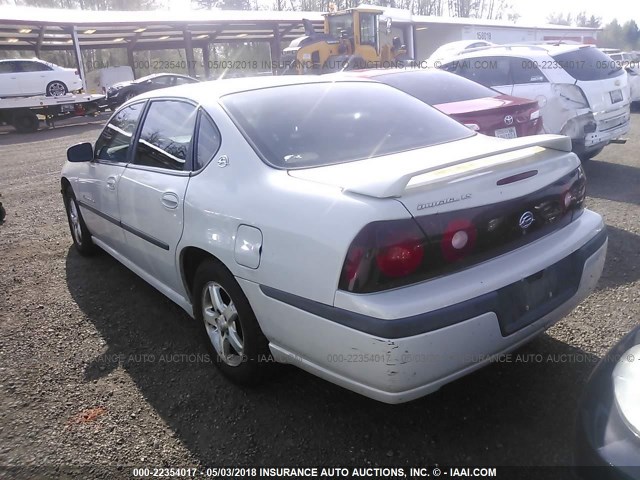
(508, 120)
(526, 219)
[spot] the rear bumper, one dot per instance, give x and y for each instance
(610, 126)
(395, 360)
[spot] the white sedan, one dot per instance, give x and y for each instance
(21, 77)
(377, 244)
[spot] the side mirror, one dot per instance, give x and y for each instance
(82, 152)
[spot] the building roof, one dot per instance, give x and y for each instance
(24, 28)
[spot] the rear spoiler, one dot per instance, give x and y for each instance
(395, 185)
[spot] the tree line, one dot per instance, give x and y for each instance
(613, 35)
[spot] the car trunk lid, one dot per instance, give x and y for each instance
(501, 116)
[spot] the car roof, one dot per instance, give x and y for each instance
(155, 75)
(514, 50)
(25, 60)
(376, 72)
(205, 92)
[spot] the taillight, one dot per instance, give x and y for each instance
(399, 252)
(394, 253)
(383, 255)
(577, 191)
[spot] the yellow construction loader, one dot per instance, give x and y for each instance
(351, 40)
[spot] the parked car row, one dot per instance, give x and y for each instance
(31, 77)
(630, 61)
(580, 92)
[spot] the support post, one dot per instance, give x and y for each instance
(188, 47)
(276, 48)
(206, 60)
(78, 55)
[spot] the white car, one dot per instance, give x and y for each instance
(452, 49)
(25, 78)
(626, 60)
(379, 245)
(580, 93)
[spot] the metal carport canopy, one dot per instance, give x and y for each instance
(40, 29)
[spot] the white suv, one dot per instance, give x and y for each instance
(580, 92)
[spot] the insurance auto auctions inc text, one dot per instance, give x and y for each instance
(375, 472)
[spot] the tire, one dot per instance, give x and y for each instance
(56, 89)
(234, 338)
(79, 231)
(3, 213)
(25, 121)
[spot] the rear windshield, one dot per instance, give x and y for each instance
(436, 87)
(588, 63)
(297, 126)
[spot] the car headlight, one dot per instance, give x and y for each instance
(626, 388)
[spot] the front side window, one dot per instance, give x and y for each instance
(336, 122)
(167, 131)
(487, 71)
(368, 29)
(341, 26)
(115, 140)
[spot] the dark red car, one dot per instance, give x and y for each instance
(478, 107)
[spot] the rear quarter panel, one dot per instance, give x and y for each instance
(306, 226)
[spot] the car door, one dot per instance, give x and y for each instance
(35, 76)
(97, 187)
(9, 82)
(153, 186)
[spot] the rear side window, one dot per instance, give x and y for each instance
(167, 131)
(436, 87)
(208, 142)
(307, 125)
(183, 81)
(588, 63)
(113, 145)
(34, 67)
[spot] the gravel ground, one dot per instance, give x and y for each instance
(95, 367)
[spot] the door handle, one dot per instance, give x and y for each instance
(170, 200)
(111, 183)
